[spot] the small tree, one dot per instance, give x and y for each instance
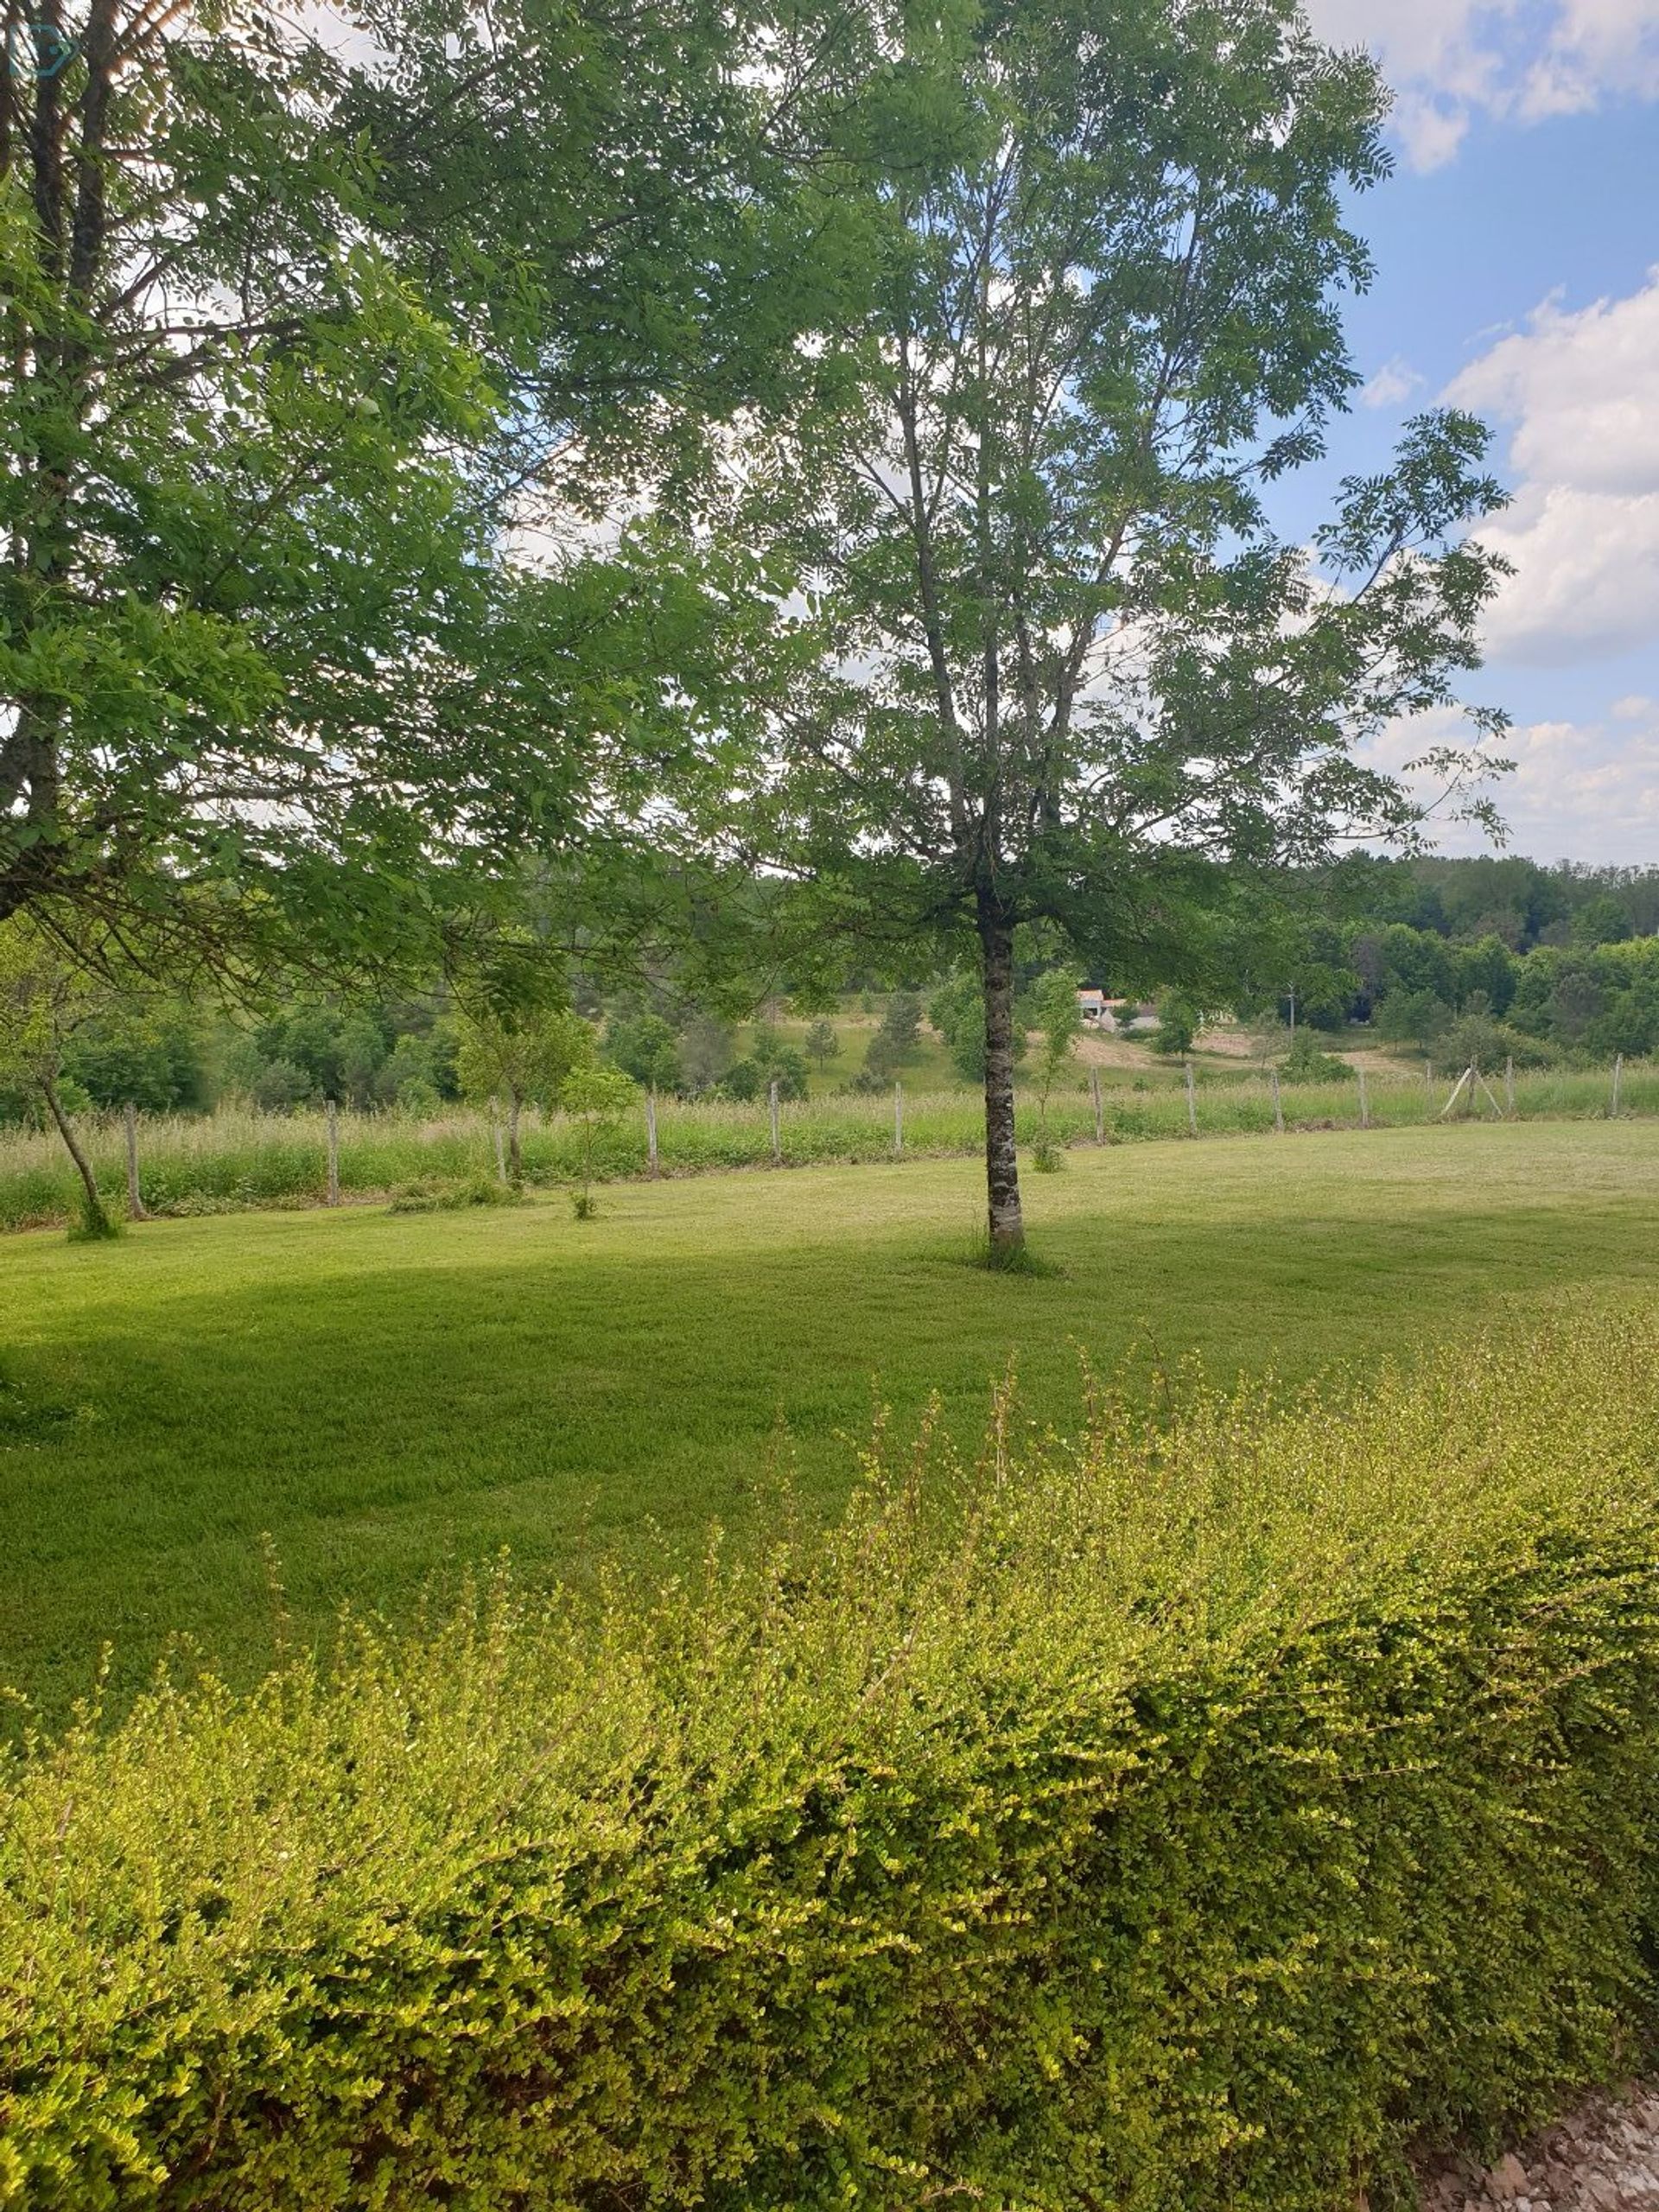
(898, 1038)
(645, 1046)
(1059, 1024)
(1177, 1024)
(1308, 1062)
(821, 1043)
(770, 1062)
(594, 1096)
(42, 1000)
(707, 1050)
(524, 1057)
(1417, 1018)
(901, 1025)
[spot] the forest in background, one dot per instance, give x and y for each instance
(1466, 959)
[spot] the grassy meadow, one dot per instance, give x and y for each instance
(389, 1397)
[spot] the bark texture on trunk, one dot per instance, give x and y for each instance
(1007, 1224)
(96, 1217)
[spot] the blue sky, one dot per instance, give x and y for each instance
(1518, 250)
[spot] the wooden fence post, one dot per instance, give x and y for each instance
(897, 1117)
(651, 1130)
(495, 1138)
(134, 1196)
(1364, 1101)
(1429, 1078)
(1465, 1080)
(1100, 1118)
(1509, 1084)
(1618, 1078)
(333, 1152)
(1278, 1103)
(776, 1147)
(1191, 1104)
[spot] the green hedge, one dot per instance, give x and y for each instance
(1156, 1820)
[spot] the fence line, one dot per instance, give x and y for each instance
(240, 1159)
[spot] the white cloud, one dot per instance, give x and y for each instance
(1582, 393)
(1392, 384)
(1580, 791)
(1448, 60)
(1583, 389)
(1583, 792)
(1586, 579)
(1596, 47)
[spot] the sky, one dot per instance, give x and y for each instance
(1517, 252)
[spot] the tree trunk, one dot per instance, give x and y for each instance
(515, 1156)
(97, 1220)
(1007, 1232)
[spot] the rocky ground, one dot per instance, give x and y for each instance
(1604, 2158)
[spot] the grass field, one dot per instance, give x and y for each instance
(389, 1396)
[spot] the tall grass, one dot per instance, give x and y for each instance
(238, 1158)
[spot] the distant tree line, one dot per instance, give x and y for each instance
(1488, 958)
(1519, 901)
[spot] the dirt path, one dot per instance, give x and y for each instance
(1604, 2158)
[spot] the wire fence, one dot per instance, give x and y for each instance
(239, 1158)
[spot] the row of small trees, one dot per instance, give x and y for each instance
(552, 1060)
(551, 1056)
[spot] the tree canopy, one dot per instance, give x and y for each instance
(306, 330)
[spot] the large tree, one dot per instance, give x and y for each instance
(1056, 662)
(302, 326)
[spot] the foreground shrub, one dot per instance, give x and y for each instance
(1151, 1820)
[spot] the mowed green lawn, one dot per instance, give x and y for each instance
(391, 1397)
